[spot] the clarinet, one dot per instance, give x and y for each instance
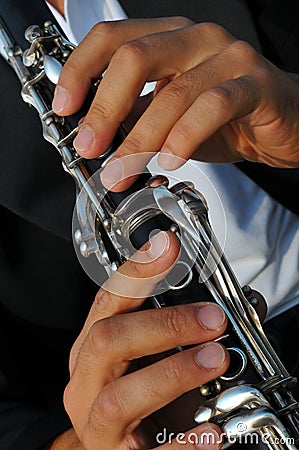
(254, 396)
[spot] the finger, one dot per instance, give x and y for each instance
(131, 66)
(127, 337)
(185, 113)
(135, 279)
(154, 57)
(91, 57)
(113, 342)
(131, 284)
(67, 439)
(145, 263)
(126, 401)
(203, 437)
(212, 110)
(130, 336)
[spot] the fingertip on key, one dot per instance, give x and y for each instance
(211, 316)
(84, 139)
(159, 244)
(60, 100)
(112, 173)
(211, 356)
(167, 160)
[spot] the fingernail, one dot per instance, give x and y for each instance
(84, 139)
(167, 160)
(211, 316)
(208, 440)
(211, 356)
(112, 173)
(159, 243)
(60, 99)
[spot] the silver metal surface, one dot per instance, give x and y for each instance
(52, 68)
(255, 406)
(224, 404)
(260, 421)
(237, 352)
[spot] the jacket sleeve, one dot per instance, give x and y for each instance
(44, 299)
(23, 426)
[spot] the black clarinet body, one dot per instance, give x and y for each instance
(256, 389)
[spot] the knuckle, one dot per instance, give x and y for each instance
(177, 92)
(103, 302)
(172, 373)
(100, 337)
(182, 21)
(151, 127)
(183, 130)
(264, 73)
(138, 270)
(132, 144)
(211, 29)
(218, 98)
(68, 398)
(131, 54)
(110, 405)
(243, 51)
(101, 109)
(173, 324)
(73, 65)
(102, 30)
(74, 355)
(87, 435)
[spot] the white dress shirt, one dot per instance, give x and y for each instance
(261, 236)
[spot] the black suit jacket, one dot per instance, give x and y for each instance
(44, 294)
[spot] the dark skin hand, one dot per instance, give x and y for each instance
(216, 100)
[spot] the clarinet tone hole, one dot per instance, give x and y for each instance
(181, 268)
(238, 362)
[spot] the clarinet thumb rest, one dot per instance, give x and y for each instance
(257, 301)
